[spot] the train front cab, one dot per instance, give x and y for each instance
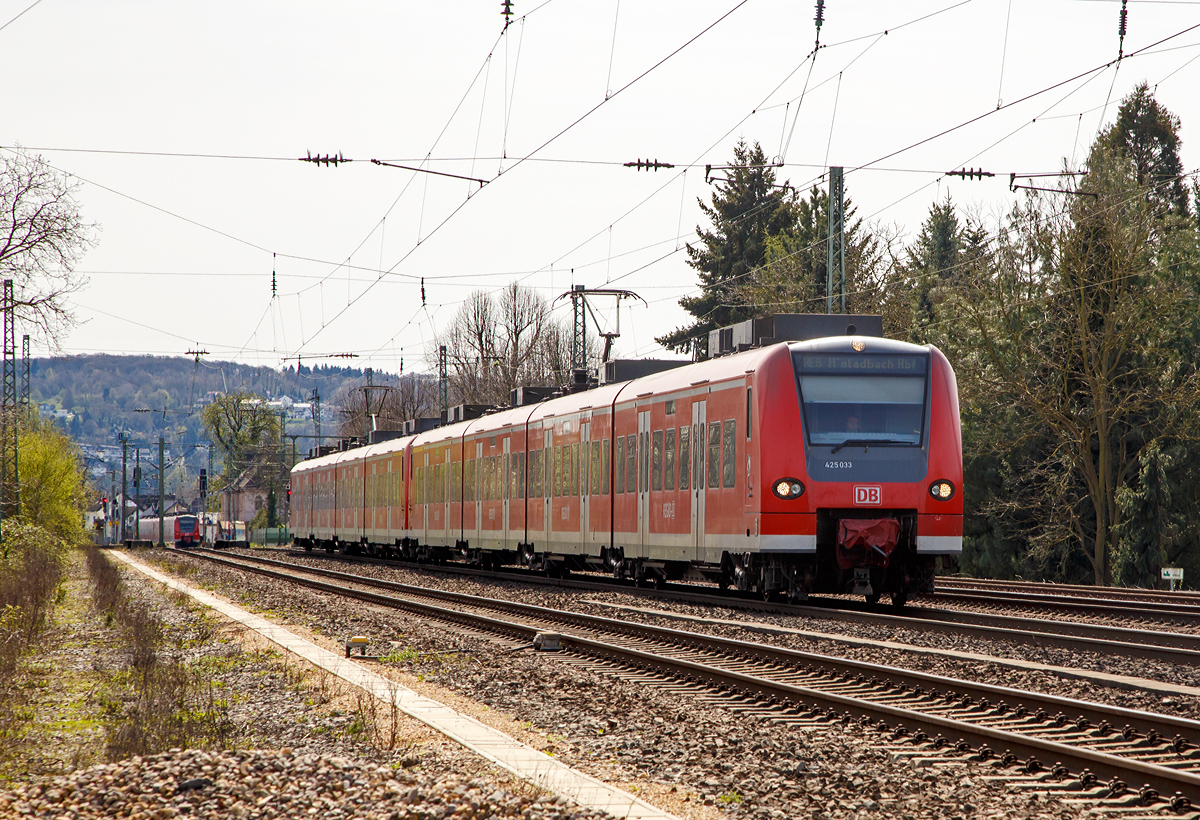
(882, 465)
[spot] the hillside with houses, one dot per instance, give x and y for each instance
(100, 399)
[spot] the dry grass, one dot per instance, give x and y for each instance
(32, 568)
(157, 701)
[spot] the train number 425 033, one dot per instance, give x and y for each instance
(838, 465)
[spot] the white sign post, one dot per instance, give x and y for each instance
(1173, 574)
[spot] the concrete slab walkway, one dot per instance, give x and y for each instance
(504, 751)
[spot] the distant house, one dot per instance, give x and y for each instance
(243, 499)
(178, 508)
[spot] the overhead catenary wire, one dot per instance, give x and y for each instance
(607, 259)
(545, 144)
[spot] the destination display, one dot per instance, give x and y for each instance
(860, 363)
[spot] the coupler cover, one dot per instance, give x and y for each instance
(866, 541)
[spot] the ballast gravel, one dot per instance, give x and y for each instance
(690, 756)
(270, 784)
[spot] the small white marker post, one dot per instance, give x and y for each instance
(1173, 574)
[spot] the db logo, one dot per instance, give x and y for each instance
(869, 496)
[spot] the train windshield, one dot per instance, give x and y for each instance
(862, 398)
(187, 523)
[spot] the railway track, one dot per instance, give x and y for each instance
(1095, 748)
(1157, 645)
(1077, 590)
(1145, 609)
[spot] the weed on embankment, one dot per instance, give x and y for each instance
(157, 700)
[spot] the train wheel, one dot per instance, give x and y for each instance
(873, 598)
(899, 599)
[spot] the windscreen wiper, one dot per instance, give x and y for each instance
(867, 442)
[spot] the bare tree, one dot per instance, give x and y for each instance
(42, 239)
(499, 342)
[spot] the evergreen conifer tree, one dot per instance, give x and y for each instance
(746, 210)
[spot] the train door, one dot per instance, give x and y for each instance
(507, 490)
(425, 488)
(549, 496)
(477, 494)
(585, 472)
(643, 483)
(699, 425)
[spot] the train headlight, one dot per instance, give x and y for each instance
(941, 490)
(788, 488)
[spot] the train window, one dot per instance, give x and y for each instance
(595, 465)
(604, 469)
(575, 469)
(669, 460)
(536, 468)
(656, 483)
(749, 411)
(510, 463)
(862, 398)
(521, 474)
(558, 470)
(714, 455)
(685, 458)
(671, 407)
(620, 460)
(729, 457)
(631, 465)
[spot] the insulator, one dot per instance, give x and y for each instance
(1123, 26)
(820, 18)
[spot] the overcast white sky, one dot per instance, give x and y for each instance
(182, 123)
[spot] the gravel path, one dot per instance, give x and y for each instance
(692, 759)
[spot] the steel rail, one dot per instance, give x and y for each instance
(1163, 779)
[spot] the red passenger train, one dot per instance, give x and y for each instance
(184, 530)
(832, 465)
